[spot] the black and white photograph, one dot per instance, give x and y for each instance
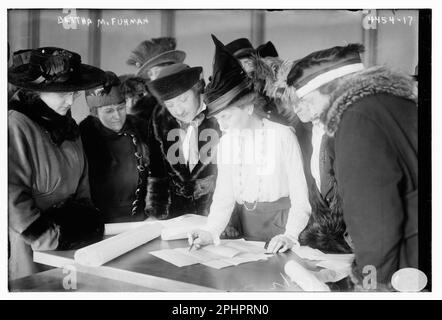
(236, 150)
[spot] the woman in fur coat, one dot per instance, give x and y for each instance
(115, 146)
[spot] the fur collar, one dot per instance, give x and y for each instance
(371, 81)
(162, 122)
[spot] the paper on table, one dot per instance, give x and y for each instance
(111, 229)
(306, 252)
(178, 222)
(218, 264)
(175, 257)
(179, 227)
(334, 264)
(201, 255)
(303, 277)
(222, 250)
(106, 250)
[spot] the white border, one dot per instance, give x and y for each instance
(436, 148)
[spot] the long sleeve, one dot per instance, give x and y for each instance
(158, 191)
(24, 217)
(368, 179)
(223, 198)
(300, 206)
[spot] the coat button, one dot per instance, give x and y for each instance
(134, 210)
(135, 203)
(137, 192)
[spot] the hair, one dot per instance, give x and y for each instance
(248, 97)
(199, 87)
(318, 57)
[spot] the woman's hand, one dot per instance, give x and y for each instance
(199, 238)
(230, 232)
(280, 243)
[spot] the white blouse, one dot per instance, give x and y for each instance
(263, 165)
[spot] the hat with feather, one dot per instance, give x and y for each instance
(229, 81)
(155, 52)
(107, 94)
(52, 69)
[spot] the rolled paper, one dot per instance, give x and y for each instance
(111, 229)
(179, 228)
(106, 250)
(303, 277)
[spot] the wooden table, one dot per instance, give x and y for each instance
(53, 281)
(142, 269)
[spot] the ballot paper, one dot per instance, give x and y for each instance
(176, 228)
(335, 266)
(228, 253)
(309, 253)
(101, 252)
(303, 277)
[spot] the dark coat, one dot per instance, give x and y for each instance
(117, 177)
(372, 170)
(49, 204)
(172, 189)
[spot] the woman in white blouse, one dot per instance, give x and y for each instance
(259, 165)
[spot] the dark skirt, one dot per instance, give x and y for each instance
(265, 221)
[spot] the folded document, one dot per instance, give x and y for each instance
(228, 253)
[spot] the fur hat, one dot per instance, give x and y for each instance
(174, 80)
(108, 94)
(52, 69)
(321, 67)
(154, 52)
(229, 80)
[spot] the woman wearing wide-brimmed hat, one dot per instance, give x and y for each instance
(49, 200)
(259, 164)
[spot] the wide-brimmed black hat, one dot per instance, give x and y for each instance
(52, 69)
(155, 52)
(228, 81)
(242, 48)
(174, 80)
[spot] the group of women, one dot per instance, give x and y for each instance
(120, 164)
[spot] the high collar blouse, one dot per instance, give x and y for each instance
(260, 165)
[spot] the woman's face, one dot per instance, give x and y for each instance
(234, 118)
(185, 106)
(112, 117)
(60, 102)
(311, 106)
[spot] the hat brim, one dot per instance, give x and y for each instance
(87, 77)
(172, 56)
(173, 85)
(224, 101)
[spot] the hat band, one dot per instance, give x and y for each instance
(223, 100)
(326, 77)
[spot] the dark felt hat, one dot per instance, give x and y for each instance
(174, 80)
(21, 57)
(267, 50)
(240, 48)
(107, 94)
(228, 81)
(52, 69)
(155, 52)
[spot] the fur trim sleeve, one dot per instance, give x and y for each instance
(158, 197)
